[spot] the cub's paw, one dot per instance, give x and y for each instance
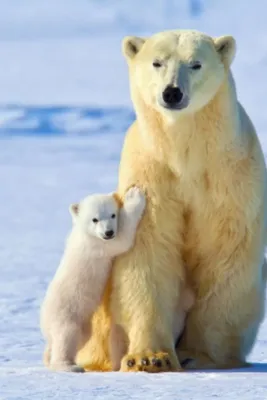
(135, 198)
(77, 368)
(150, 362)
(64, 367)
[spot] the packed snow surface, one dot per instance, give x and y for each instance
(64, 110)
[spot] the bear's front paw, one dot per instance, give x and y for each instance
(135, 198)
(150, 362)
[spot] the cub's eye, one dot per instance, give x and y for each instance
(157, 64)
(95, 221)
(113, 216)
(196, 65)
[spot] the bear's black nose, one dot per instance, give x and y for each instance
(109, 234)
(172, 95)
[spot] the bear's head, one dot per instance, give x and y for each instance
(97, 215)
(178, 71)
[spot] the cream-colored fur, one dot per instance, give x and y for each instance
(77, 288)
(119, 343)
(203, 170)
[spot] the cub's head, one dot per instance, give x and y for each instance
(97, 215)
(177, 71)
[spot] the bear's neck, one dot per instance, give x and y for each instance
(213, 131)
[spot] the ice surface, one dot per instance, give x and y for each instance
(64, 109)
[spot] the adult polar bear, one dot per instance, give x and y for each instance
(195, 153)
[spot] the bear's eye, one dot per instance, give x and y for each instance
(196, 65)
(95, 221)
(157, 64)
(113, 216)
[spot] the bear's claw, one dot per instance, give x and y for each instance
(145, 361)
(130, 363)
(157, 362)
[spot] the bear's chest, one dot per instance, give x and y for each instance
(213, 216)
(206, 190)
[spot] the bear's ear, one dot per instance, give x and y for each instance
(74, 211)
(131, 45)
(226, 48)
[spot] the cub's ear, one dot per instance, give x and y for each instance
(118, 199)
(226, 48)
(74, 211)
(131, 45)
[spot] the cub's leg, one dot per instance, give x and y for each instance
(47, 355)
(65, 342)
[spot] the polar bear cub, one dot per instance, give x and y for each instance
(102, 229)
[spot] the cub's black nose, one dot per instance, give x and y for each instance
(172, 95)
(109, 234)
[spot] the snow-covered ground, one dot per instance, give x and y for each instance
(64, 109)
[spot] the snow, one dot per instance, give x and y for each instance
(64, 109)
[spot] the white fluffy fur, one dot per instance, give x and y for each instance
(78, 285)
